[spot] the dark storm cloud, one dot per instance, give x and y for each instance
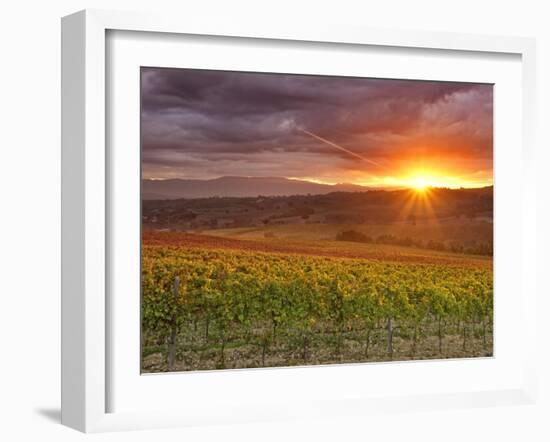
(247, 122)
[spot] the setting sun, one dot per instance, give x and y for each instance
(423, 180)
(420, 184)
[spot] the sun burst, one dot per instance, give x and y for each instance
(420, 184)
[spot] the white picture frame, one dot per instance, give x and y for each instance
(86, 207)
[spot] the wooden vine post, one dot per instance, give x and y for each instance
(173, 328)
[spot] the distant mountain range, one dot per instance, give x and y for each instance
(235, 186)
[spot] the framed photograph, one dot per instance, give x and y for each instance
(264, 222)
(293, 219)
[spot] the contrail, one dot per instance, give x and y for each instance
(343, 149)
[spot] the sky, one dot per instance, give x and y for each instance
(201, 124)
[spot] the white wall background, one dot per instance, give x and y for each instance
(30, 215)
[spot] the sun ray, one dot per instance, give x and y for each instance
(418, 206)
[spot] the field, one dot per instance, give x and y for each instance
(431, 229)
(292, 295)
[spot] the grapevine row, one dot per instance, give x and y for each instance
(228, 297)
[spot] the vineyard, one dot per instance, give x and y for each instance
(208, 308)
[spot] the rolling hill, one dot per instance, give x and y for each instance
(234, 186)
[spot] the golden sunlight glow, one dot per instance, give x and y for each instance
(420, 184)
(421, 180)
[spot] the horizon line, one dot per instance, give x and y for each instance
(366, 186)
